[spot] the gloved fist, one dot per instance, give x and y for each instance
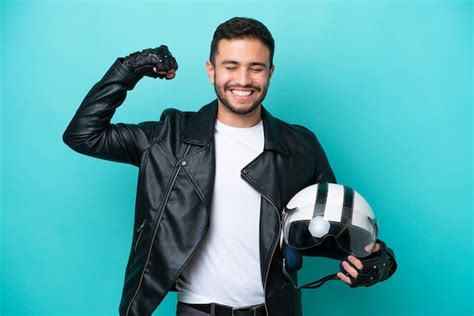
(367, 271)
(152, 62)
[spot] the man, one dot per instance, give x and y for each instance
(212, 183)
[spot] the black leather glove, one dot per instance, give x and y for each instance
(142, 63)
(377, 267)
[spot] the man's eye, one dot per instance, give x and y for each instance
(257, 69)
(230, 68)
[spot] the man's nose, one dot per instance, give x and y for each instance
(243, 77)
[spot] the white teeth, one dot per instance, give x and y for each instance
(241, 92)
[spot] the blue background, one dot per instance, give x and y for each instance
(386, 86)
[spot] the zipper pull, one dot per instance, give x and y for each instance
(141, 226)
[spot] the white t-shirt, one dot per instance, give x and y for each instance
(226, 270)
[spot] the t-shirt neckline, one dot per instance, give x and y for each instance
(225, 127)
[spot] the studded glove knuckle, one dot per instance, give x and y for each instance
(142, 63)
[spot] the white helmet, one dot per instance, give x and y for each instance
(329, 210)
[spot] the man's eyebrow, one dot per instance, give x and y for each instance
(233, 62)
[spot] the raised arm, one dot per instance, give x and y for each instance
(90, 131)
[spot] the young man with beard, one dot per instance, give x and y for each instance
(211, 184)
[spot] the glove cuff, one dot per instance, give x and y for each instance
(391, 264)
(128, 75)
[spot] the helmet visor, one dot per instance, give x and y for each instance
(354, 232)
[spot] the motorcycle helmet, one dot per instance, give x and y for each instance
(328, 220)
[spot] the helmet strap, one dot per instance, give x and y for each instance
(311, 285)
(318, 283)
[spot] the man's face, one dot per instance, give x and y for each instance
(241, 74)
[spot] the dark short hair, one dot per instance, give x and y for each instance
(238, 28)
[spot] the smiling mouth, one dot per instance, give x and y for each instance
(241, 94)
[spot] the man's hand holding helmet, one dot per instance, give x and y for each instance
(367, 271)
(152, 62)
(352, 266)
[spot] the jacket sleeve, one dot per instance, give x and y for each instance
(90, 131)
(323, 171)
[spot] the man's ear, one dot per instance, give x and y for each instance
(210, 71)
(272, 68)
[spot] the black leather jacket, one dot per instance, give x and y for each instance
(175, 156)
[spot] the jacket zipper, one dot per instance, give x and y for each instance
(140, 231)
(273, 250)
(275, 243)
(141, 226)
(155, 229)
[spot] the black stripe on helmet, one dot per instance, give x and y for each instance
(321, 198)
(348, 206)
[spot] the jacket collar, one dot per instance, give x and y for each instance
(200, 130)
